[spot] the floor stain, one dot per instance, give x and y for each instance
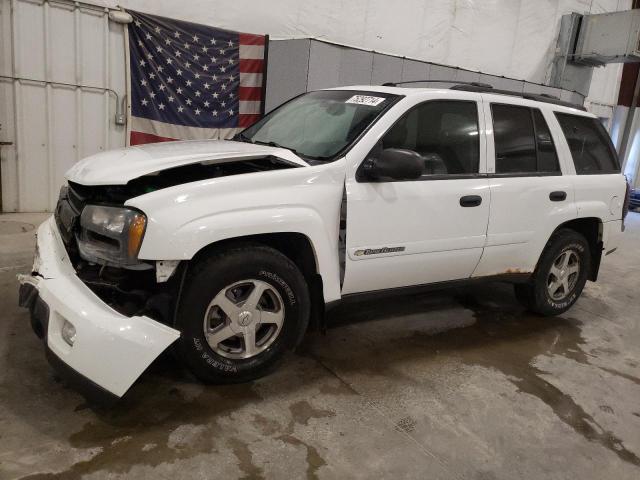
(267, 426)
(314, 459)
(303, 411)
(501, 337)
(245, 458)
(148, 417)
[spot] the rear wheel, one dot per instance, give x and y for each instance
(560, 276)
(241, 310)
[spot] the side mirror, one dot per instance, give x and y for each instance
(394, 163)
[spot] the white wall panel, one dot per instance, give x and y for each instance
(33, 174)
(53, 125)
(63, 132)
(62, 34)
(514, 38)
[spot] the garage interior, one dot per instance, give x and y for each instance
(458, 383)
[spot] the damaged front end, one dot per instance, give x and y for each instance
(102, 239)
(103, 313)
(99, 350)
(103, 236)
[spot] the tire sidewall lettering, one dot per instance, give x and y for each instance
(273, 277)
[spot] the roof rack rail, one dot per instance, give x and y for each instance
(538, 97)
(487, 88)
(475, 84)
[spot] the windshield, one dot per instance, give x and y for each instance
(319, 125)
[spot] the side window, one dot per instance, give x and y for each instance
(590, 145)
(443, 132)
(523, 141)
(547, 156)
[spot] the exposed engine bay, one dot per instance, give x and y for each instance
(131, 286)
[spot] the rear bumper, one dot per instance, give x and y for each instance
(110, 350)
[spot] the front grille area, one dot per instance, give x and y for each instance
(67, 216)
(76, 200)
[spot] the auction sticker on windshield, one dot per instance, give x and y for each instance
(366, 100)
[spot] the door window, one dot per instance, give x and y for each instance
(590, 144)
(523, 142)
(547, 156)
(443, 132)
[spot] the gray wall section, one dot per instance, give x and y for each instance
(415, 70)
(287, 71)
(324, 66)
(300, 65)
(386, 69)
(355, 67)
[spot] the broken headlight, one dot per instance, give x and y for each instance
(111, 235)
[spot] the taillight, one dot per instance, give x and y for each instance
(625, 204)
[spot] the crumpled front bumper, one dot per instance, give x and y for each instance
(110, 350)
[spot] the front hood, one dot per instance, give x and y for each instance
(117, 167)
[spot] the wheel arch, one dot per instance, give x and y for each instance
(296, 246)
(592, 230)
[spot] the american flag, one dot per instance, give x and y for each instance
(191, 81)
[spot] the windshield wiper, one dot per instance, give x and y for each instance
(277, 145)
(240, 137)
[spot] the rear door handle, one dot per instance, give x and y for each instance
(558, 196)
(470, 201)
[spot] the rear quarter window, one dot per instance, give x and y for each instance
(590, 144)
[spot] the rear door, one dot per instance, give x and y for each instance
(599, 186)
(530, 196)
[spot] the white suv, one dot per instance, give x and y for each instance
(230, 249)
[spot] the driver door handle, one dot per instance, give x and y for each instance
(470, 201)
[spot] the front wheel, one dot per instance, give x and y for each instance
(560, 276)
(241, 310)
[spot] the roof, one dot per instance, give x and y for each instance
(497, 96)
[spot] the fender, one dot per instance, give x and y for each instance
(184, 219)
(200, 233)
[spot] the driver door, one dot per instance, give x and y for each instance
(432, 229)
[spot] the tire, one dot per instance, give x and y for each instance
(556, 286)
(217, 297)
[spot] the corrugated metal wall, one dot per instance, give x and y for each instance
(66, 66)
(299, 65)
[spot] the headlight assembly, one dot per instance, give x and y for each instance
(111, 235)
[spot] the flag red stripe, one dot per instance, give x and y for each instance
(251, 66)
(138, 138)
(246, 120)
(250, 93)
(249, 39)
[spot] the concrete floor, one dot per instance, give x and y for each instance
(456, 384)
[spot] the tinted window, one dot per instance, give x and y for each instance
(514, 139)
(445, 133)
(590, 145)
(547, 156)
(523, 141)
